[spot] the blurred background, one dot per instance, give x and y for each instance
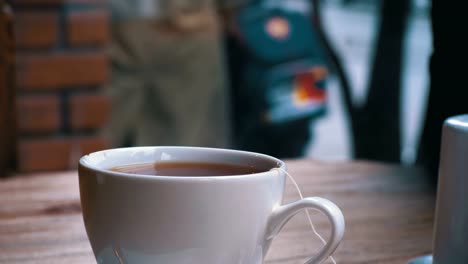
(331, 80)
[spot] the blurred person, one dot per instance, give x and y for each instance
(167, 82)
(277, 76)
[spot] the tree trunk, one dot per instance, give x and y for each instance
(376, 126)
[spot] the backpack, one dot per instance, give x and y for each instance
(283, 74)
(277, 76)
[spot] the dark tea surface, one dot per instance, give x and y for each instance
(188, 169)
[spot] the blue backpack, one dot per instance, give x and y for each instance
(283, 75)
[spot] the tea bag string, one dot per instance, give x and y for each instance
(306, 210)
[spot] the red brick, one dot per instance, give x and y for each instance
(36, 29)
(43, 154)
(38, 114)
(89, 111)
(88, 27)
(62, 70)
(50, 154)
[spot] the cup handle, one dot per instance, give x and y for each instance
(282, 214)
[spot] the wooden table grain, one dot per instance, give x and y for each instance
(388, 210)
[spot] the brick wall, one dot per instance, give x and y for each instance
(61, 68)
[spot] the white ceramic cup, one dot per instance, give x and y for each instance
(139, 219)
(451, 218)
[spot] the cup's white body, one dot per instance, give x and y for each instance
(451, 223)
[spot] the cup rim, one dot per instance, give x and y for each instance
(85, 163)
(458, 122)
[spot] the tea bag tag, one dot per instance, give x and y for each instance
(306, 210)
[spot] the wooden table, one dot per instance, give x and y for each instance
(388, 209)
